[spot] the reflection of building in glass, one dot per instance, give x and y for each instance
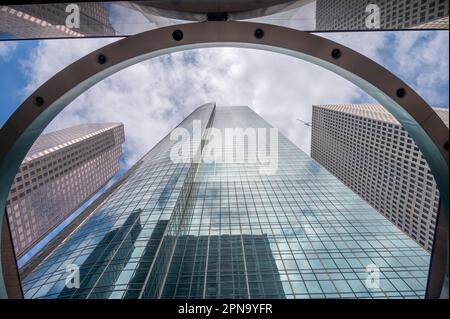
(60, 172)
(367, 149)
(114, 249)
(49, 20)
(231, 230)
(441, 23)
(403, 14)
(239, 266)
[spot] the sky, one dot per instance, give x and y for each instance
(152, 97)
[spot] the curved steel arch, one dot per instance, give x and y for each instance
(36, 112)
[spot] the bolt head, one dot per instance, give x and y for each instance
(39, 101)
(101, 59)
(336, 53)
(259, 33)
(401, 92)
(177, 35)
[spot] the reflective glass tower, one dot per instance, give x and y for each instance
(231, 228)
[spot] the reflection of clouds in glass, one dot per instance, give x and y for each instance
(126, 20)
(301, 18)
(130, 18)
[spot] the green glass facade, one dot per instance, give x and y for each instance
(226, 230)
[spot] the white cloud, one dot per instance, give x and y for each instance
(423, 57)
(6, 49)
(367, 43)
(420, 58)
(152, 97)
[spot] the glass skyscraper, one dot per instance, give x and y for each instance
(230, 229)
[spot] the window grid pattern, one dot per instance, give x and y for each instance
(61, 171)
(367, 149)
(95, 244)
(297, 234)
(401, 14)
(320, 235)
(48, 20)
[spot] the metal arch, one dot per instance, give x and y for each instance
(36, 112)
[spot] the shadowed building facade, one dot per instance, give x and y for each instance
(367, 149)
(218, 229)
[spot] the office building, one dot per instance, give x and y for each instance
(49, 20)
(60, 172)
(231, 227)
(404, 14)
(369, 151)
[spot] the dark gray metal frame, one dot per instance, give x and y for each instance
(416, 116)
